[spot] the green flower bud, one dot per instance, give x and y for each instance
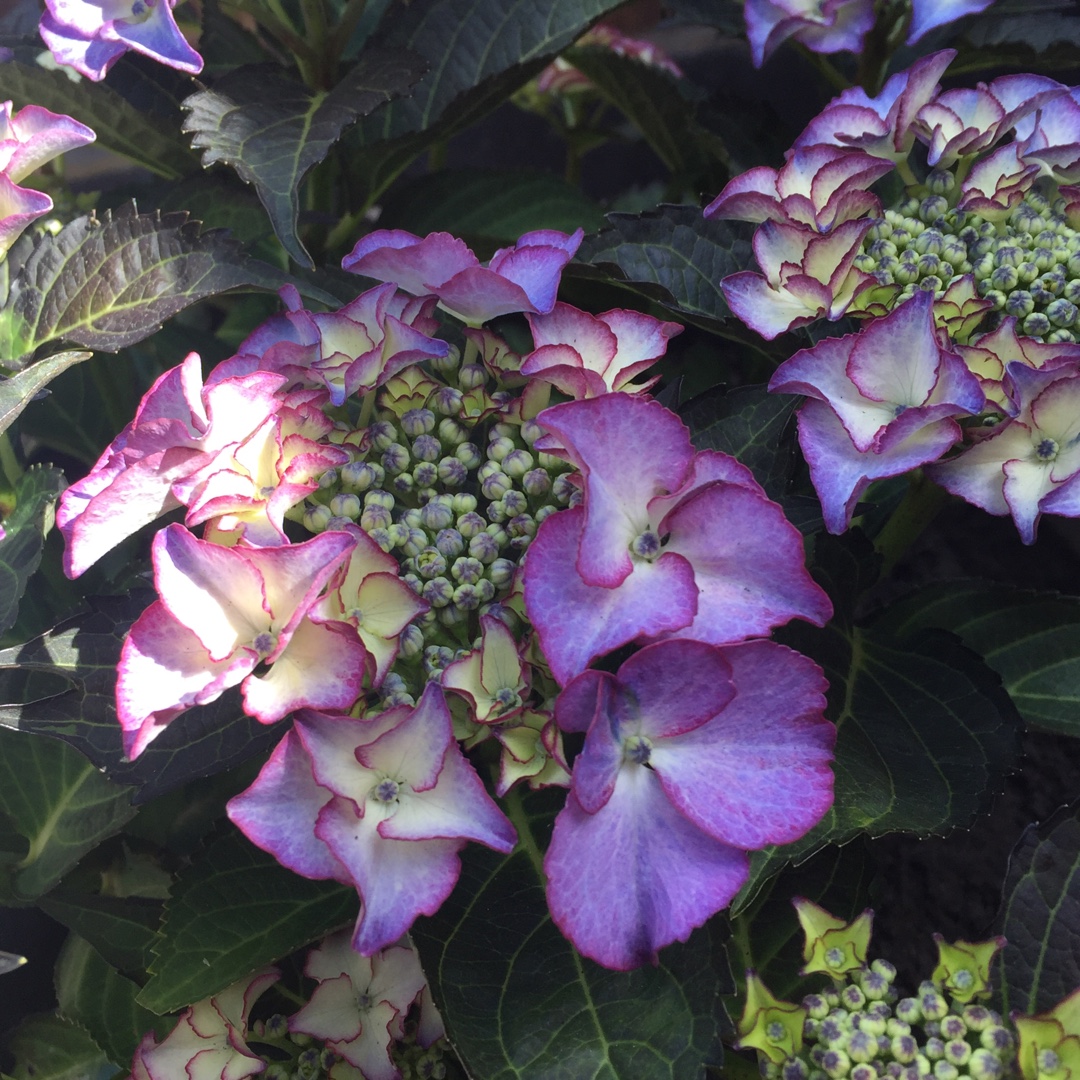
(982, 267)
(383, 434)
(496, 511)
(930, 242)
(880, 248)
(932, 207)
(906, 274)
(931, 283)
(359, 476)
(415, 541)
(467, 570)
(396, 458)
(452, 473)
(345, 506)
(957, 1051)
(904, 1048)
(1019, 303)
(907, 1010)
(934, 1048)
(417, 422)
(1061, 337)
(447, 365)
(464, 503)
(472, 376)
(496, 485)
(862, 1047)
(940, 181)
(328, 480)
(501, 572)
(470, 524)
(317, 517)
(452, 614)
(451, 432)
(984, 1065)
(996, 297)
(484, 547)
(946, 1070)
(431, 563)
(424, 478)
(486, 590)
(521, 526)
(450, 542)
(410, 641)
(517, 463)
(835, 1064)
(466, 597)
(997, 1037)
(1036, 324)
(426, 448)
(863, 1072)
(438, 592)
(437, 513)
(403, 485)
(469, 455)
(1005, 278)
(1061, 312)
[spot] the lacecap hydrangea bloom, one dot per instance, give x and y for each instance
(414, 543)
(968, 288)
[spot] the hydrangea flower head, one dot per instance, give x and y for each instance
(693, 755)
(208, 1041)
(667, 541)
(881, 402)
(385, 804)
(522, 278)
(1028, 464)
(91, 35)
(825, 26)
(819, 187)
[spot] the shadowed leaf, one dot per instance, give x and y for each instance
(1040, 916)
(671, 254)
(92, 994)
(20, 389)
(59, 803)
(122, 929)
(272, 130)
(233, 911)
(1032, 640)
(83, 653)
(24, 535)
(48, 1047)
(119, 125)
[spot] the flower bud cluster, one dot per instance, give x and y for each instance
(457, 498)
(1027, 266)
(861, 1029)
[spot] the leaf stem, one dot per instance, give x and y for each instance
(515, 811)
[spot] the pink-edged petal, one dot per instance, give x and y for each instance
(636, 875)
(758, 772)
(584, 333)
(42, 135)
(278, 812)
(767, 311)
(458, 807)
(88, 55)
(673, 687)
(414, 746)
(19, 206)
(751, 196)
(332, 1012)
(536, 267)
(581, 700)
(840, 473)
(157, 37)
(576, 622)
(397, 879)
(322, 667)
(164, 669)
(477, 294)
(748, 564)
(411, 263)
(603, 437)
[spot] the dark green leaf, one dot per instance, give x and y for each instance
(519, 1003)
(750, 424)
(660, 108)
(671, 254)
(1040, 915)
(108, 282)
(273, 130)
(20, 389)
(59, 803)
(231, 912)
(119, 125)
(84, 652)
(1032, 640)
(925, 734)
(122, 929)
(496, 207)
(94, 996)
(47, 1047)
(468, 42)
(24, 535)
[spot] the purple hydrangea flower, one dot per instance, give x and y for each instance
(693, 755)
(825, 26)
(91, 35)
(927, 15)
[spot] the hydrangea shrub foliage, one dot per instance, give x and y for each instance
(474, 480)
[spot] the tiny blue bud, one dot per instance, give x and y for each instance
(438, 592)
(483, 546)
(1036, 324)
(411, 641)
(328, 480)
(496, 485)
(396, 458)
(417, 422)
(426, 448)
(431, 563)
(346, 506)
(470, 524)
(383, 434)
(359, 476)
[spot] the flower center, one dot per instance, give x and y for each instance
(646, 545)
(637, 749)
(1046, 450)
(264, 644)
(386, 791)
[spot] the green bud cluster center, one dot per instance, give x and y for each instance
(456, 495)
(1028, 265)
(861, 1030)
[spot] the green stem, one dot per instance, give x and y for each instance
(343, 32)
(9, 463)
(515, 811)
(916, 510)
(903, 167)
(315, 31)
(277, 23)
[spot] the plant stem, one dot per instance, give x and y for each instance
(515, 811)
(917, 509)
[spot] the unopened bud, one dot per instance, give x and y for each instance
(437, 513)
(345, 506)
(483, 546)
(472, 376)
(410, 641)
(438, 592)
(416, 422)
(467, 570)
(501, 572)
(496, 485)
(317, 517)
(470, 524)
(1036, 324)
(424, 477)
(469, 455)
